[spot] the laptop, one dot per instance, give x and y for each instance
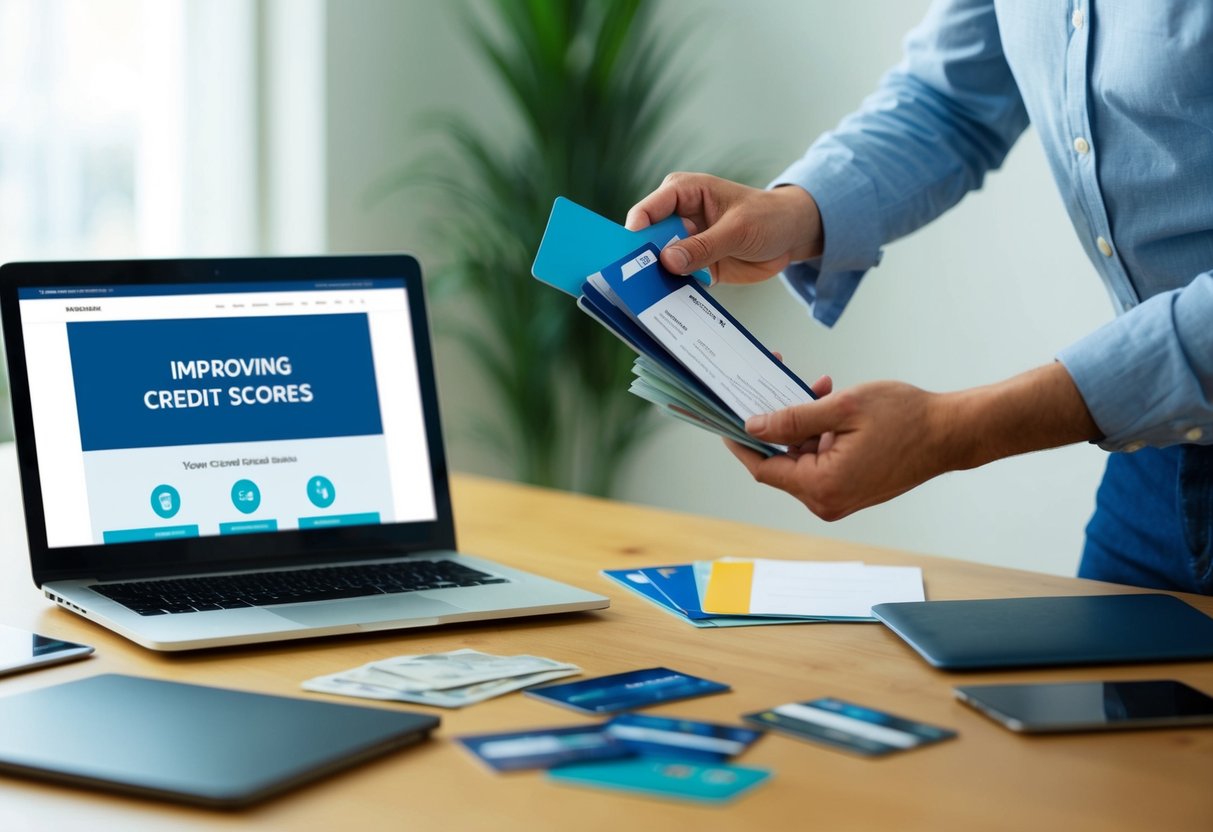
(1051, 631)
(231, 451)
(206, 746)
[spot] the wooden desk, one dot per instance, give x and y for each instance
(989, 778)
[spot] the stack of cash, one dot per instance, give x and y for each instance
(447, 680)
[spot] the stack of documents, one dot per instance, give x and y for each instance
(447, 680)
(696, 361)
(735, 592)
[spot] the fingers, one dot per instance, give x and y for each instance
(679, 193)
(794, 425)
(824, 386)
(703, 249)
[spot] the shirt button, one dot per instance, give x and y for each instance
(1133, 447)
(1081, 145)
(1076, 18)
(1194, 435)
(1105, 248)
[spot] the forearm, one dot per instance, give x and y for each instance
(934, 127)
(1039, 409)
(1147, 376)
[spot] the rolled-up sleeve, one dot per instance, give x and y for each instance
(937, 123)
(1147, 376)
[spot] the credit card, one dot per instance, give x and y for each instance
(659, 736)
(677, 583)
(625, 691)
(577, 242)
(697, 782)
(635, 580)
(544, 747)
(844, 725)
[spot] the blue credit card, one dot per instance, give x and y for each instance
(577, 242)
(685, 739)
(680, 780)
(677, 583)
(850, 727)
(624, 691)
(636, 581)
(544, 747)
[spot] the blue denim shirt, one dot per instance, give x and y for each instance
(1121, 94)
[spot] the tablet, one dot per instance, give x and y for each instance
(1064, 630)
(22, 650)
(207, 746)
(1090, 706)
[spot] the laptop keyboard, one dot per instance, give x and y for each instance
(262, 589)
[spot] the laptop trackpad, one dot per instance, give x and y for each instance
(364, 610)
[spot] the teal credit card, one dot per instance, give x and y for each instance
(679, 780)
(577, 242)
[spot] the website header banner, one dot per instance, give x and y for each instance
(143, 290)
(143, 384)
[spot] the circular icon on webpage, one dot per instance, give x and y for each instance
(321, 492)
(165, 501)
(246, 496)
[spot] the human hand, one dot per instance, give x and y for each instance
(742, 234)
(854, 448)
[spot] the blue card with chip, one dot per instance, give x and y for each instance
(685, 739)
(849, 727)
(577, 242)
(544, 747)
(625, 691)
(680, 780)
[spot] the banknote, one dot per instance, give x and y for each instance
(447, 680)
(458, 668)
(341, 684)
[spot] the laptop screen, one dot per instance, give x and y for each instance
(184, 410)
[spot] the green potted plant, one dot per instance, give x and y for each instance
(590, 84)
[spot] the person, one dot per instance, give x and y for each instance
(1121, 95)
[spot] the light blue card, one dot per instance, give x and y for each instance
(682, 780)
(577, 242)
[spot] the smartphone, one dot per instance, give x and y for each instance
(22, 650)
(1090, 706)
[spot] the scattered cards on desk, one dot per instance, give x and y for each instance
(446, 680)
(649, 755)
(627, 735)
(696, 361)
(625, 691)
(734, 592)
(849, 727)
(679, 780)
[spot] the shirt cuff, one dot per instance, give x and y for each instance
(1141, 375)
(850, 214)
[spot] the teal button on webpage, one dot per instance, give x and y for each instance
(162, 533)
(369, 518)
(248, 527)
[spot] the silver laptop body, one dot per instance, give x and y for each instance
(271, 417)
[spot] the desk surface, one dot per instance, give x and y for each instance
(987, 779)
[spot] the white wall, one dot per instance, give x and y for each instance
(995, 287)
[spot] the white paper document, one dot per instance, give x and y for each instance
(791, 588)
(808, 588)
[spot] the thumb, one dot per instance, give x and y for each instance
(701, 250)
(793, 425)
